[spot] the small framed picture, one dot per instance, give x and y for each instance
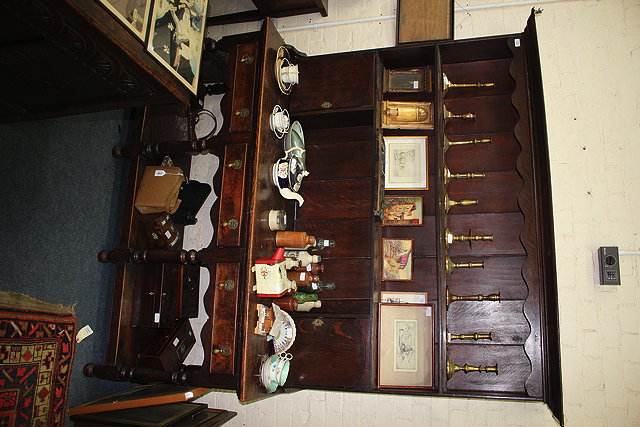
(403, 297)
(408, 80)
(405, 346)
(134, 14)
(405, 163)
(397, 259)
(402, 210)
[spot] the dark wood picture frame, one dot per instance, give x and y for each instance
(424, 20)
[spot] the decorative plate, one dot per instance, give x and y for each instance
(283, 330)
(282, 60)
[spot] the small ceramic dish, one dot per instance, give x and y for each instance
(283, 330)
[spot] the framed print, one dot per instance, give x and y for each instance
(408, 80)
(134, 14)
(403, 297)
(175, 39)
(405, 163)
(405, 346)
(148, 416)
(397, 259)
(402, 210)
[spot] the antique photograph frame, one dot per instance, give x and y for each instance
(397, 260)
(176, 37)
(405, 346)
(402, 211)
(406, 163)
(134, 14)
(408, 80)
(390, 297)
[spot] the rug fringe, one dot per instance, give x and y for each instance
(16, 300)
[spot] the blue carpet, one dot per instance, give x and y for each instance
(62, 194)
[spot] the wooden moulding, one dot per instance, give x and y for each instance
(424, 20)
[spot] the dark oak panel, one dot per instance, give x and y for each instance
(424, 236)
(497, 192)
(513, 368)
(493, 71)
(424, 279)
(505, 228)
(336, 199)
(330, 135)
(340, 160)
(500, 274)
(352, 236)
(500, 154)
(493, 114)
(504, 320)
(352, 277)
(224, 313)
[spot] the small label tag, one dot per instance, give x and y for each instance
(159, 173)
(168, 234)
(156, 318)
(428, 312)
(176, 342)
(326, 243)
(303, 275)
(309, 267)
(83, 333)
(188, 395)
(517, 42)
(416, 84)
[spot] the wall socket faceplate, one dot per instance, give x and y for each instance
(609, 265)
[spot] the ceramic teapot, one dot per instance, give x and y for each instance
(287, 175)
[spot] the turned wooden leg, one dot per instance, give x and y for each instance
(149, 256)
(133, 374)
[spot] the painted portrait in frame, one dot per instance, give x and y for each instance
(397, 259)
(175, 39)
(402, 210)
(134, 14)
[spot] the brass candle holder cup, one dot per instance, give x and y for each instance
(448, 176)
(449, 115)
(479, 297)
(449, 238)
(452, 368)
(448, 143)
(446, 84)
(448, 203)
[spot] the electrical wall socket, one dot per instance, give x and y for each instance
(609, 264)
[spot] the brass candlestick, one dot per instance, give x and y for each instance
(479, 297)
(475, 336)
(449, 237)
(448, 203)
(448, 176)
(450, 265)
(446, 84)
(449, 115)
(448, 143)
(452, 368)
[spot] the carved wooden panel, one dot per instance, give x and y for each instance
(223, 321)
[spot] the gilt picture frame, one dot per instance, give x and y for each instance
(406, 163)
(405, 346)
(397, 260)
(134, 14)
(176, 37)
(402, 211)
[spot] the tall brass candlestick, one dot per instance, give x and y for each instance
(449, 237)
(446, 84)
(448, 176)
(450, 265)
(448, 143)
(475, 336)
(448, 203)
(452, 368)
(479, 297)
(449, 115)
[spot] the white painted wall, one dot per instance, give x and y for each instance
(590, 53)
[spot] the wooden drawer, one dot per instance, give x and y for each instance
(225, 307)
(232, 197)
(243, 85)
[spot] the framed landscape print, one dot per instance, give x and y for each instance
(397, 259)
(134, 14)
(175, 39)
(402, 210)
(405, 163)
(405, 346)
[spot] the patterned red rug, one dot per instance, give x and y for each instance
(37, 343)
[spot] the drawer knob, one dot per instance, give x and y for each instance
(227, 285)
(246, 59)
(326, 104)
(244, 113)
(223, 350)
(232, 224)
(236, 164)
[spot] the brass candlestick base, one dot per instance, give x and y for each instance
(452, 368)
(450, 265)
(448, 176)
(449, 237)
(449, 115)
(446, 84)
(448, 203)
(448, 143)
(479, 297)
(475, 336)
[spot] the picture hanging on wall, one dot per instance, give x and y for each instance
(402, 210)
(175, 39)
(134, 14)
(397, 259)
(405, 163)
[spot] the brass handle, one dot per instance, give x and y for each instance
(246, 59)
(326, 104)
(223, 350)
(232, 224)
(236, 164)
(244, 113)
(227, 285)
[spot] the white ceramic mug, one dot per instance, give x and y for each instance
(281, 120)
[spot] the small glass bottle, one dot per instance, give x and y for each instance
(313, 268)
(302, 257)
(302, 278)
(307, 306)
(317, 287)
(301, 297)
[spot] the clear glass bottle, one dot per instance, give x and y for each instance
(317, 287)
